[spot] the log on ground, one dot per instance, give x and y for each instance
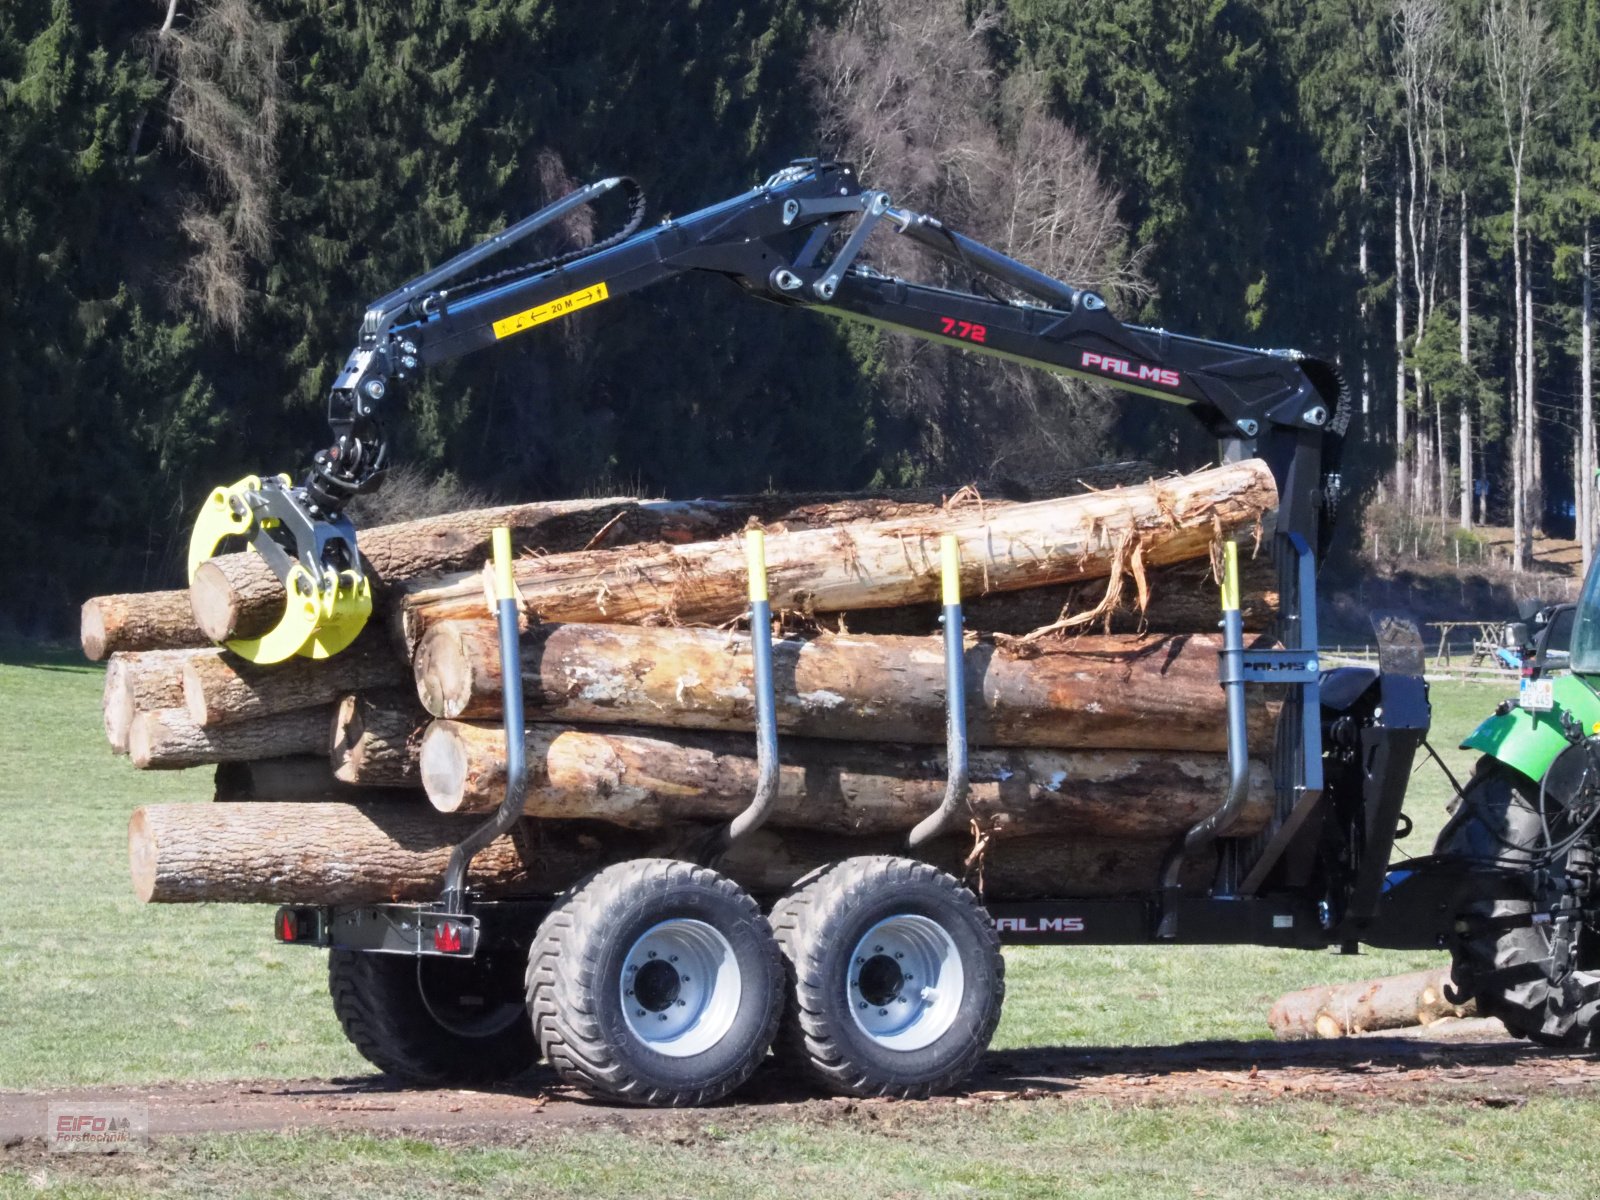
(372, 853)
(138, 621)
(1342, 1010)
(1103, 693)
(223, 689)
(881, 564)
(643, 779)
(376, 737)
(169, 739)
(141, 681)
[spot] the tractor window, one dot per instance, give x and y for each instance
(1586, 630)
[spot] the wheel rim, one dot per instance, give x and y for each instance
(905, 983)
(680, 987)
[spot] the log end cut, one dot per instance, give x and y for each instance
(142, 856)
(214, 601)
(457, 666)
(92, 630)
(445, 766)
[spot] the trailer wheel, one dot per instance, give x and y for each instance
(433, 1021)
(896, 976)
(655, 982)
(1512, 973)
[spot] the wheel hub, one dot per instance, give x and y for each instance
(905, 982)
(680, 987)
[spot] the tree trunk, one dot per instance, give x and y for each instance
(1530, 363)
(302, 778)
(1092, 692)
(1465, 433)
(655, 779)
(140, 681)
(1394, 1002)
(167, 738)
(137, 621)
(880, 565)
(1585, 485)
(372, 853)
(1402, 478)
(376, 736)
(222, 689)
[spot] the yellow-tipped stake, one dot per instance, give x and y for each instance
(1230, 577)
(755, 558)
(766, 794)
(317, 621)
(505, 587)
(950, 568)
(956, 784)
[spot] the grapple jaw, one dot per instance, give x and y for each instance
(328, 597)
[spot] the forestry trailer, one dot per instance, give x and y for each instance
(664, 982)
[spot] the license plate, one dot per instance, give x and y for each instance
(1538, 695)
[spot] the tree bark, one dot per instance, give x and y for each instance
(137, 621)
(303, 778)
(376, 737)
(1093, 692)
(880, 565)
(140, 681)
(222, 689)
(1394, 1002)
(167, 739)
(1464, 307)
(372, 853)
(644, 779)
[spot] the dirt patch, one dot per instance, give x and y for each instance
(1496, 1072)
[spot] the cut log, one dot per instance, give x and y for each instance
(376, 737)
(880, 565)
(140, 681)
(223, 689)
(371, 853)
(641, 780)
(137, 621)
(1393, 1002)
(1092, 692)
(302, 778)
(168, 739)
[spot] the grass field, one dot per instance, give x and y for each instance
(95, 988)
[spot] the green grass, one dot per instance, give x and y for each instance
(97, 988)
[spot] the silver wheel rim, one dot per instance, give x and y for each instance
(905, 983)
(680, 987)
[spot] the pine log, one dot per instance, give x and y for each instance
(370, 853)
(1091, 692)
(302, 778)
(138, 621)
(168, 739)
(223, 689)
(645, 780)
(139, 681)
(376, 736)
(879, 565)
(1393, 1002)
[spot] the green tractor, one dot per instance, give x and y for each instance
(1527, 943)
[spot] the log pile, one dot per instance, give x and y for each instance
(1094, 713)
(1395, 1002)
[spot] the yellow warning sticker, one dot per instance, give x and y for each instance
(550, 310)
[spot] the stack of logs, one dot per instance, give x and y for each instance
(1095, 715)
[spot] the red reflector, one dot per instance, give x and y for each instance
(286, 927)
(447, 938)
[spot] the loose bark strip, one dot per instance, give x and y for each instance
(1393, 1002)
(878, 565)
(369, 853)
(375, 738)
(302, 778)
(224, 689)
(138, 621)
(1092, 692)
(642, 780)
(140, 681)
(168, 739)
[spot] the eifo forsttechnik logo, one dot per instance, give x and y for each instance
(102, 1127)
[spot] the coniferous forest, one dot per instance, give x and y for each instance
(198, 198)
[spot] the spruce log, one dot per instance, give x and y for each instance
(138, 621)
(169, 739)
(1102, 693)
(1393, 1002)
(223, 689)
(371, 853)
(139, 681)
(302, 778)
(882, 564)
(644, 780)
(375, 738)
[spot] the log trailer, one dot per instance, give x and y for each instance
(663, 982)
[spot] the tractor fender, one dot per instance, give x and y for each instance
(1530, 741)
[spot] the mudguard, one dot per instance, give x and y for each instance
(1529, 741)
